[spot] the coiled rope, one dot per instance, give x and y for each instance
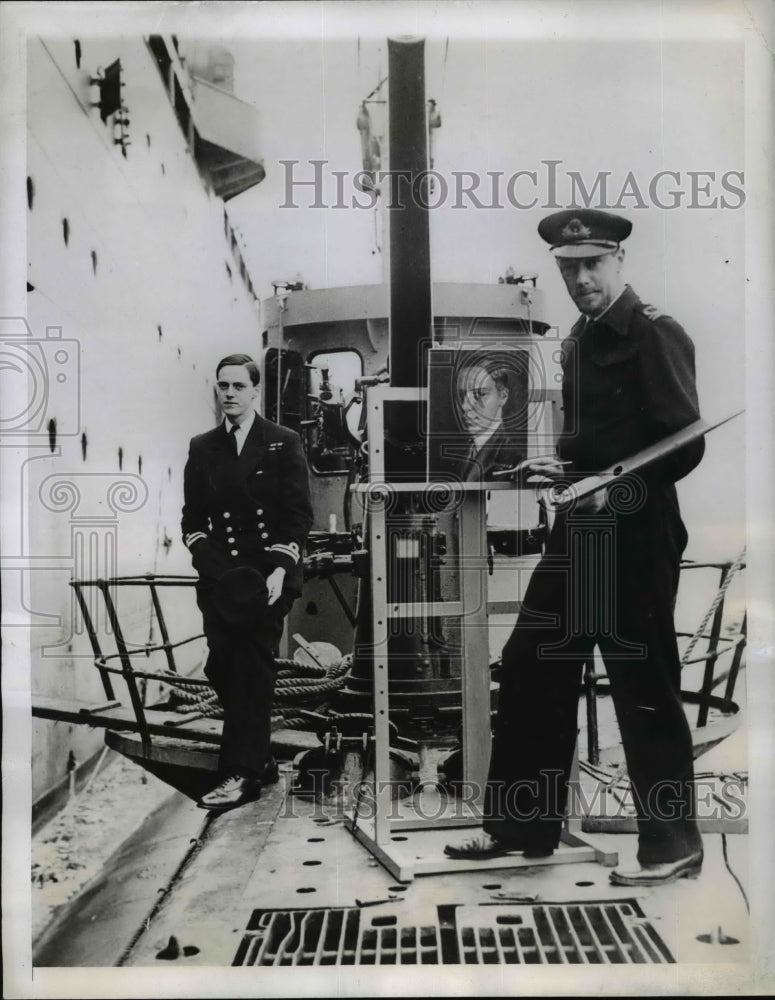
(296, 684)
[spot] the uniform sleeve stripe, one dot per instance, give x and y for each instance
(193, 537)
(286, 550)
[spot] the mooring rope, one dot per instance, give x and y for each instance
(736, 565)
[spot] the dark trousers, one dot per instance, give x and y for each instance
(611, 583)
(241, 668)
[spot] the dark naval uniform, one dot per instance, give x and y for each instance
(255, 507)
(607, 579)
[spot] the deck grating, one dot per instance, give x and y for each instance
(605, 932)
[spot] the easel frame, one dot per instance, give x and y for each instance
(377, 833)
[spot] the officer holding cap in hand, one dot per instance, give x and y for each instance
(608, 578)
(246, 515)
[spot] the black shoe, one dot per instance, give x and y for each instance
(479, 849)
(487, 846)
(538, 852)
(659, 874)
(233, 791)
(271, 773)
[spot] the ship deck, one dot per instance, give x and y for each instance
(295, 885)
(283, 882)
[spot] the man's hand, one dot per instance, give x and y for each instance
(546, 468)
(593, 503)
(274, 583)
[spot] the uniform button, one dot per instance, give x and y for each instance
(226, 514)
(231, 541)
(264, 534)
(259, 511)
(235, 552)
(261, 524)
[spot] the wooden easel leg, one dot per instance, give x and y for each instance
(571, 830)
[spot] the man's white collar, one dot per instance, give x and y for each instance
(245, 426)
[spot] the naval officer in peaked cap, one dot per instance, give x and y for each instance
(588, 233)
(246, 515)
(608, 578)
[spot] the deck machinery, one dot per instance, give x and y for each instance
(376, 468)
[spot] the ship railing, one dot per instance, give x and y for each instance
(104, 662)
(708, 631)
(120, 662)
(296, 682)
(718, 644)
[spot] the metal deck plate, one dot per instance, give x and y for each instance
(289, 856)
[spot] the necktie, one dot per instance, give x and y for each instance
(233, 437)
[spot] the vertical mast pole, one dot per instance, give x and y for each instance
(411, 312)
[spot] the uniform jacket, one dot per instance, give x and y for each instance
(257, 505)
(628, 382)
(499, 453)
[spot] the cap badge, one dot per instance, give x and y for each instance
(575, 229)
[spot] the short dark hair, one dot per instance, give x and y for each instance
(241, 359)
(495, 368)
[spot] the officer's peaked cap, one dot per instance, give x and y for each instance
(583, 232)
